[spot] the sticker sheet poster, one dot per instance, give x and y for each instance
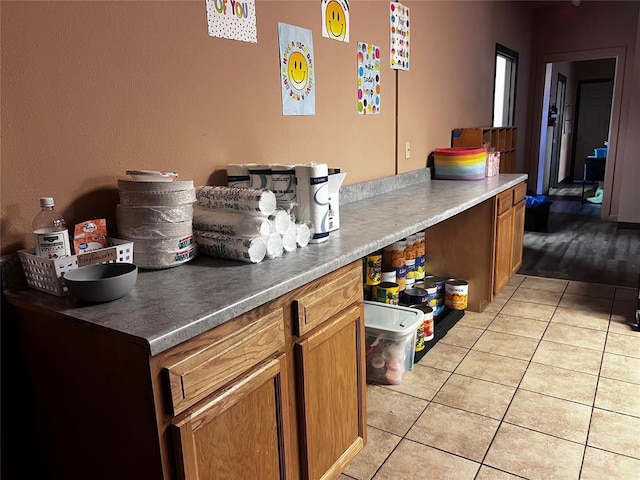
(368, 79)
(335, 19)
(233, 19)
(297, 70)
(399, 25)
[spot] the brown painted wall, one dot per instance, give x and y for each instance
(91, 89)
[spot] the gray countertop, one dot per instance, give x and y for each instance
(167, 307)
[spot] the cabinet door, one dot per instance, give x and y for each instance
(240, 432)
(518, 236)
(504, 250)
(331, 394)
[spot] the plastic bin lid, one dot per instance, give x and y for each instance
(394, 319)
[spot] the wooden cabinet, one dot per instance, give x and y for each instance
(509, 235)
(276, 393)
(241, 432)
(499, 139)
(331, 395)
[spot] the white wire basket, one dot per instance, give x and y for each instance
(47, 275)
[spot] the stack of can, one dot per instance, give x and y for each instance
(377, 287)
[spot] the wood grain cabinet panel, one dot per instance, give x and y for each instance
(208, 363)
(321, 303)
(510, 210)
(331, 394)
(240, 432)
(518, 236)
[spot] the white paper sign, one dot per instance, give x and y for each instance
(233, 19)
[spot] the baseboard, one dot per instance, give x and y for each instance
(627, 226)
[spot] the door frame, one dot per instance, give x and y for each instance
(558, 130)
(536, 166)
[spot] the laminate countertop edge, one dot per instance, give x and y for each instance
(170, 306)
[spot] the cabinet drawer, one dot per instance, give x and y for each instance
(327, 299)
(505, 201)
(213, 362)
(519, 192)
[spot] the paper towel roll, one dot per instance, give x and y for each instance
(238, 175)
(234, 198)
(220, 245)
(260, 176)
(283, 181)
(230, 222)
(313, 199)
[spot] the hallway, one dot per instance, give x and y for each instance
(542, 385)
(579, 246)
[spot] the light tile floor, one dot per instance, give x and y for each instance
(544, 384)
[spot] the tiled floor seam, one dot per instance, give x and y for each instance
(502, 421)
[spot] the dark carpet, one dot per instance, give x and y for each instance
(579, 246)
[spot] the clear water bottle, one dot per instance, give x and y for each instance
(50, 231)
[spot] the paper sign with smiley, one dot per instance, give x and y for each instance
(297, 70)
(335, 20)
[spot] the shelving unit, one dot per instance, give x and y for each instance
(500, 139)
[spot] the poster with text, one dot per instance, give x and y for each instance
(335, 19)
(297, 70)
(399, 25)
(368, 79)
(233, 19)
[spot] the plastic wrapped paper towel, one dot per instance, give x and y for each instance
(220, 245)
(238, 175)
(283, 185)
(313, 199)
(230, 222)
(234, 198)
(260, 176)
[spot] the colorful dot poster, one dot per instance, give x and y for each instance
(297, 70)
(233, 19)
(368, 79)
(335, 19)
(399, 25)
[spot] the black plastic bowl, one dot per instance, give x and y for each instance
(102, 283)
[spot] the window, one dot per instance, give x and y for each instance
(504, 89)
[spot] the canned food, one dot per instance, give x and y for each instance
(411, 247)
(388, 274)
(373, 269)
(415, 296)
(395, 254)
(401, 277)
(456, 294)
(425, 331)
(432, 291)
(386, 292)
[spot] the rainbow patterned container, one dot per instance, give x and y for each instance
(460, 163)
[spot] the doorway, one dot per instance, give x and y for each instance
(559, 130)
(540, 141)
(593, 111)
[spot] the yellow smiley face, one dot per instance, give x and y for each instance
(298, 70)
(336, 22)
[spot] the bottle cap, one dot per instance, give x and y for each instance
(46, 201)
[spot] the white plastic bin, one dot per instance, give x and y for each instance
(390, 332)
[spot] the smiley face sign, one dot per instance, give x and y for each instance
(335, 20)
(296, 70)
